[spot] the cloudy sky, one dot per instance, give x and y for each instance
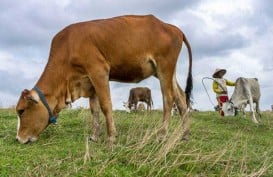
(232, 34)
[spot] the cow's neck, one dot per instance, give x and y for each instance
(52, 83)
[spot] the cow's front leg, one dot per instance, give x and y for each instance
(95, 109)
(101, 85)
(98, 73)
(243, 110)
(252, 110)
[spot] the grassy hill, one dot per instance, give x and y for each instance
(229, 146)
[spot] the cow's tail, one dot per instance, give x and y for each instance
(189, 85)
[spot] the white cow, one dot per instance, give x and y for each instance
(247, 91)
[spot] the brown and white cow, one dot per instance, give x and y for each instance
(174, 110)
(85, 56)
(247, 91)
(139, 94)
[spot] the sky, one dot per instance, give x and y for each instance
(233, 34)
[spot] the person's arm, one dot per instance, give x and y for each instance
(230, 83)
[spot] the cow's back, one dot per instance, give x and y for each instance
(246, 86)
(254, 88)
(115, 35)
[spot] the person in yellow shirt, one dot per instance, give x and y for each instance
(219, 86)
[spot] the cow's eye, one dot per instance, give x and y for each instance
(20, 112)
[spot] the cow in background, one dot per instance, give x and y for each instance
(174, 110)
(272, 107)
(247, 91)
(138, 94)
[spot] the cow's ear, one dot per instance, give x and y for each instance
(30, 96)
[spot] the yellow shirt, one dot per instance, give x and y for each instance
(219, 85)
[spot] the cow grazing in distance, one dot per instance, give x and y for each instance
(139, 94)
(272, 107)
(85, 56)
(174, 110)
(247, 91)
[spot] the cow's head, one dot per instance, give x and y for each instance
(126, 106)
(32, 117)
(228, 109)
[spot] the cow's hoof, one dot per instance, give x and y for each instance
(111, 142)
(185, 138)
(186, 135)
(161, 134)
(112, 139)
(255, 121)
(160, 138)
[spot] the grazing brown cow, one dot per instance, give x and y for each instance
(85, 56)
(140, 94)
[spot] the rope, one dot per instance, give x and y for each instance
(52, 118)
(207, 90)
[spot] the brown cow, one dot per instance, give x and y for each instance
(85, 56)
(140, 94)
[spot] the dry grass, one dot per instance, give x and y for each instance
(230, 146)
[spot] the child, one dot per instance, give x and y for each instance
(220, 88)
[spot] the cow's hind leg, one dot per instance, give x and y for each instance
(149, 107)
(168, 99)
(180, 101)
(258, 109)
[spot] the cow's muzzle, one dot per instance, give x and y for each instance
(26, 141)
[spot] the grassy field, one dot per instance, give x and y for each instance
(229, 146)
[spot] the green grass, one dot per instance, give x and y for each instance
(229, 146)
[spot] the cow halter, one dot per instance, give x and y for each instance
(52, 118)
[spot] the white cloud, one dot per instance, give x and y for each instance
(230, 34)
(220, 7)
(27, 68)
(7, 99)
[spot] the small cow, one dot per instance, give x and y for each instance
(85, 56)
(272, 107)
(174, 110)
(139, 94)
(247, 91)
